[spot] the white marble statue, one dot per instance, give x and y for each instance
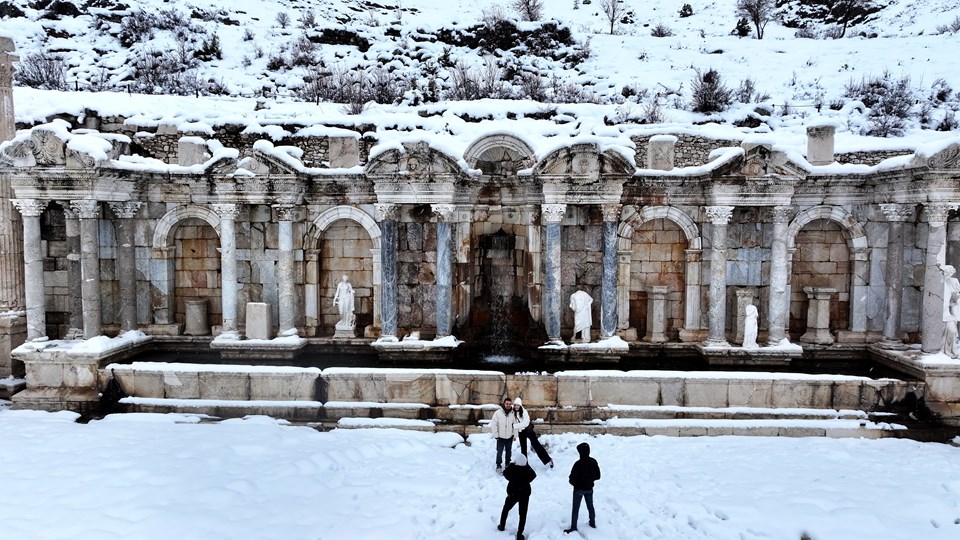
(750, 327)
(580, 303)
(343, 299)
(951, 315)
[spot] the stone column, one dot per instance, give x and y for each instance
(88, 212)
(778, 301)
(387, 214)
(11, 240)
(656, 314)
(8, 125)
(444, 283)
(534, 262)
(34, 293)
(608, 280)
(896, 215)
(692, 324)
(229, 288)
(286, 289)
(126, 262)
(623, 293)
(552, 216)
(74, 279)
(818, 316)
(931, 324)
(719, 216)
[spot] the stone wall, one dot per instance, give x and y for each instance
(658, 259)
(345, 250)
(581, 261)
(690, 150)
(822, 259)
(416, 273)
(197, 269)
(870, 157)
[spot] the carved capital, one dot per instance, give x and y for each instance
(226, 211)
(445, 212)
(86, 209)
(386, 211)
(611, 212)
(125, 210)
(286, 212)
(781, 214)
(937, 213)
(719, 215)
(553, 213)
(897, 212)
(29, 207)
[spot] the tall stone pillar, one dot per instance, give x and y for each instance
(88, 212)
(286, 288)
(552, 216)
(608, 279)
(719, 216)
(12, 322)
(229, 288)
(931, 324)
(623, 294)
(692, 323)
(8, 123)
(74, 278)
(896, 215)
(778, 301)
(387, 214)
(126, 262)
(34, 293)
(444, 284)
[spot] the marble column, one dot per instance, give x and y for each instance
(444, 283)
(74, 279)
(286, 288)
(229, 288)
(34, 294)
(8, 126)
(11, 241)
(931, 323)
(818, 316)
(896, 215)
(552, 215)
(692, 323)
(623, 292)
(608, 280)
(387, 215)
(126, 262)
(719, 216)
(88, 212)
(778, 301)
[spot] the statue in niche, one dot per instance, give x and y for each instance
(951, 295)
(343, 300)
(580, 303)
(750, 327)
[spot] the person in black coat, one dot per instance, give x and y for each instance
(518, 475)
(584, 473)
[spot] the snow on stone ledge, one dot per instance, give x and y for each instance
(221, 368)
(217, 403)
(95, 346)
(383, 422)
(281, 342)
(372, 405)
(613, 342)
(448, 342)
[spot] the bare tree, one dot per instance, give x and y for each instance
(529, 10)
(614, 11)
(759, 12)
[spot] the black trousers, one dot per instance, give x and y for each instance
(535, 444)
(508, 504)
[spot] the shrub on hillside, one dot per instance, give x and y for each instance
(661, 30)
(529, 10)
(41, 70)
(951, 28)
(888, 99)
(742, 29)
(686, 11)
(758, 12)
(709, 93)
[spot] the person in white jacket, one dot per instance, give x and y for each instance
(501, 427)
(525, 432)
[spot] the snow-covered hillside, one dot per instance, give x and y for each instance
(411, 52)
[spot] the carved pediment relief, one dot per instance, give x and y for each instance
(759, 161)
(583, 163)
(499, 154)
(416, 162)
(948, 158)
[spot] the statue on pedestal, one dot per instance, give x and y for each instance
(951, 315)
(750, 327)
(343, 300)
(580, 303)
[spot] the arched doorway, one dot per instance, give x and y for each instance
(197, 269)
(658, 257)
(821, 259)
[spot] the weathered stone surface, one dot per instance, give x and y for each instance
(472, 388)
(706, 393)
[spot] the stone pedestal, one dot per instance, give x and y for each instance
(660, 152)
(259, 321)
(656, 314)
(820, 144)
(745, 297)
(13, 332)
(197, 323)
(344, 332)
(818, 316)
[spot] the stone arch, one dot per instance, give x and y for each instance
(508, 142)
(167, 225)
(691, 290)
(322, 223)
(858, 237)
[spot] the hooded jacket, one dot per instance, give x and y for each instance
(519, 478)
(585, 471)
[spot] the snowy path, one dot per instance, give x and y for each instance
(145, 477)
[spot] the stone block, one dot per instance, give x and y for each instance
(147, 384)
(664, 431)
(802, 394)
(296, 386)
(800, 432)
(79, 374)
(470, 388)
(846, 394)
(750, 393)
(354, 386)
(259, 321)
(672, 392)
(693, 431)
(573, 390)
(44, 373)
(403, 387)
(343, 152)
(224, 385)
(623, 391)
(705, 393)
(181, 385)
(535, 390)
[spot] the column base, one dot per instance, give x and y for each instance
(162, 329)
(628, 334)
(693, 335)
(13, 332)
(715, 343)
(892, 344)
(817, 337)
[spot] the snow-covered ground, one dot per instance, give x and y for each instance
(167, 476)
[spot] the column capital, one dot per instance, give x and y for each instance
(445, 212)
(386, 211)
(553, 213)
(125, 210)
(781, 214)
(226, 210)
(897, 212)
(286, 212)
(611, 212)
(29, 207)
(86, 209)
(937, 213)
(719, 215)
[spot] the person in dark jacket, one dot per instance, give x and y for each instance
(518, 475)
(584, 473)
(524, 428)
